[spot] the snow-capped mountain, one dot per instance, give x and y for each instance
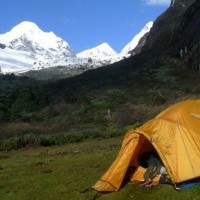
(101, 55)
(134, 42)
(26, 47)
(27, 36)
(100, 52)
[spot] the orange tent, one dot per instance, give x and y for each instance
(174, 134)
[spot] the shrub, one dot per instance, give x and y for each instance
(116, 96)
(52, 112)
(72, 138)
(113, 132)
(28, 140)
(99, 104)
(10, 144)
(125, 115)
(66, 139)
(47, 141)
(187, 90)
(96, 134)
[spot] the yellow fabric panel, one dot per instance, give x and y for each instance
(114, 176)
(138, 174)
(188, 157)
(130, 135)
(104, 186)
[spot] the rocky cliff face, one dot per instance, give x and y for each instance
(171, 25)
(179, 3)
(186, 39)
(161, 34)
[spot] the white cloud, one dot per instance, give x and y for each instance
(157, 2)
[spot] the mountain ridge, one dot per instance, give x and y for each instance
(136, 39)
(40, 53)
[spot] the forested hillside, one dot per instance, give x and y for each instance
(107, 101)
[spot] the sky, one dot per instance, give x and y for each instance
(84, 24)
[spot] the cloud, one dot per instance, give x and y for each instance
(157, 2)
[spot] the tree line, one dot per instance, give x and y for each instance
(21, 102)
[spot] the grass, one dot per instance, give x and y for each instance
(56, 172)
(62, 172)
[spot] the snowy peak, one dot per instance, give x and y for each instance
(27, 36)
(134, 42)
(101, 51)
(104, 47)
(105, 52)
(25, 27)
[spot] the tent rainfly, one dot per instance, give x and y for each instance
(174, 134)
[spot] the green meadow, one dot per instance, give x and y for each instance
(64, 172)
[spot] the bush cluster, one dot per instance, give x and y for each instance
(32, 140)
(19, 103)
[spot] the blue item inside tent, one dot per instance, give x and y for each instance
(189, 184)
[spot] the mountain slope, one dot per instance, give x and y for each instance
(14, 60)
(135, 41)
